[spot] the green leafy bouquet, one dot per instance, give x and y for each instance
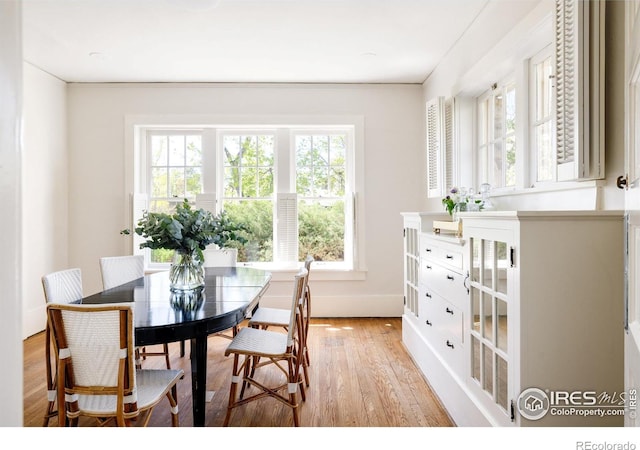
(188, 230)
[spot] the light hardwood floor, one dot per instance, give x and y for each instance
(361, 376)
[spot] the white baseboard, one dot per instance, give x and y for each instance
(345, 306)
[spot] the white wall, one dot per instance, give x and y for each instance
(394, 173)
(10, 162)
(44, 190)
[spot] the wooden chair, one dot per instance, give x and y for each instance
(118, 270)
(281, 350)
(277, 317)
(64, 286)
(222, 257)
(96, 367)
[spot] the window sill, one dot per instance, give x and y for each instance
(319, 273)
(558, 186)
(567, 195)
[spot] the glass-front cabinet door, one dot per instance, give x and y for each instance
(490, 306)
(411, 264)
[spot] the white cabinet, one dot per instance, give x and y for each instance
(443, 297)
(435, 331)
(525, 302)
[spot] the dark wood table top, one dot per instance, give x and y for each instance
(164, 316)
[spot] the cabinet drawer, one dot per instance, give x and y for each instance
(452, 353)
(446, 255)
(442, 325)
(447, 283)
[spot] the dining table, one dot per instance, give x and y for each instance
(161, 315)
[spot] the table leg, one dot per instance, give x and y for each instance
(198, 378)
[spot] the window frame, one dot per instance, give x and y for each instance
(136, 161)
(533, 102)
(483, 170)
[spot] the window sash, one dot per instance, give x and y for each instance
(283, 161)
(542, 117)
(496, 136)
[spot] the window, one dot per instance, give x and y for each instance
(247, 194)
(293, 186)
(542, 107)
(321, 182)
(175, 173)
(497, 136)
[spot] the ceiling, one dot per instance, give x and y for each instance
(306, 41)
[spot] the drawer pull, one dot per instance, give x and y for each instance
(428, 322)
(449, 344)
(450, 277)
(450, 311)
(429, 267)
(427, 295)
(428, 250)
(449, 256)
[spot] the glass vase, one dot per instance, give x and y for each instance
(187, 272)
(460, 207)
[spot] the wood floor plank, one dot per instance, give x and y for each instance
(360, 376)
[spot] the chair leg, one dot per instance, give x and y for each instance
(232, 390)
(172, 395)
(52, 410)
(249, 369)
(294, 379)
(166, 355)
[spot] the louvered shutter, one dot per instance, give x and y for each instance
(579, 49)
(434, 148)
(287, 228)
(206, 202)
(449, 145)
(139, 204)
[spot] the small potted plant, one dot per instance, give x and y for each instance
(188, 232)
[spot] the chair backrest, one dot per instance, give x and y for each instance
(118, 270)
(307, 262)
(64, 286)
(299, 286)
(307, 265)
(95, 351)
(223, 257)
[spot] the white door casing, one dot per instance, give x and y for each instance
(632, 207)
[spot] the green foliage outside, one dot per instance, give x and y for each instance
(257, 217)
(249, 188)
(321, 231)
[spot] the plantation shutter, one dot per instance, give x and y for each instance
(449, 156)
(206, 202)
(287, 228)
(579, 88)
(139, 204)
(434, 150)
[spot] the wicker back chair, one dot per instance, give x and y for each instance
(261, 348)
(96, 367)
(64, 286)
(118, 270)
(265, 317)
